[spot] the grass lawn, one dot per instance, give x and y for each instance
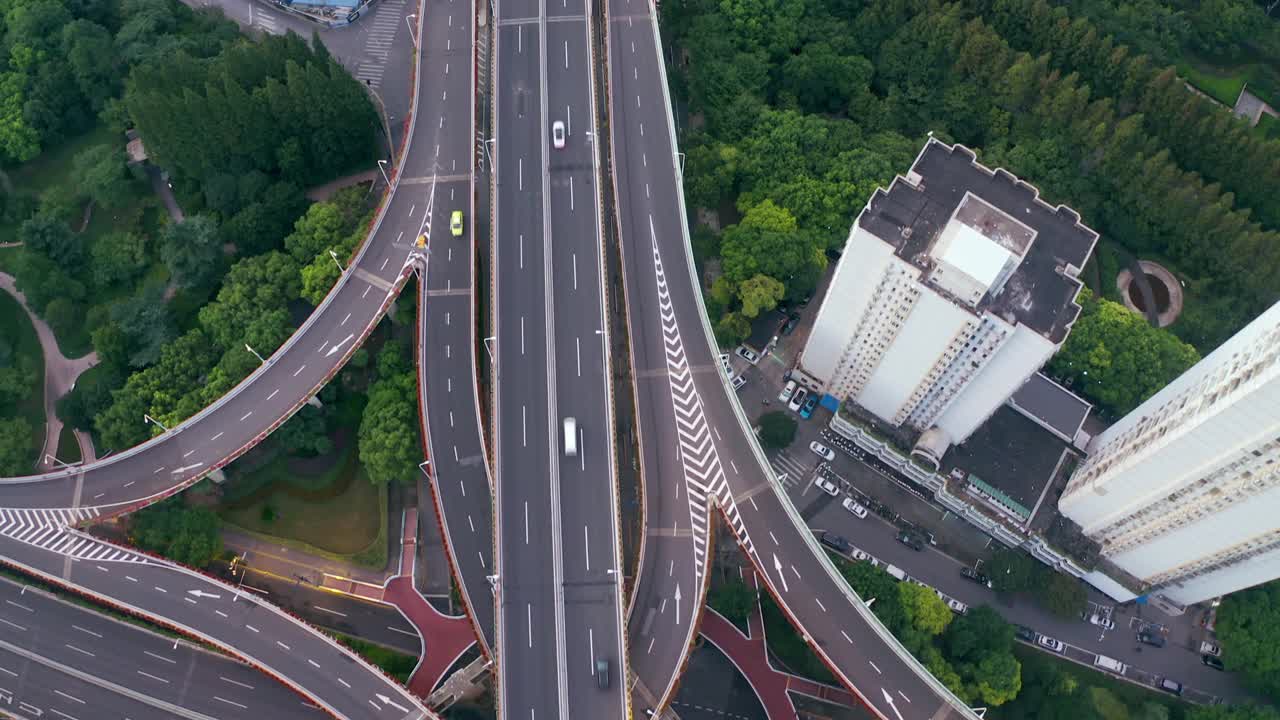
(1268, 126)
(336, 511)
(54, 166)
(16, 327)
(1223, 88)
(68, 447)
(396, 664)
(787, 645)
(7, 256)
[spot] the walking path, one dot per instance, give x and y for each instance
(751, 656)
(60, 375)
(320, 193)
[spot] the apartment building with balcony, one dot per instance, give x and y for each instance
(955, 286)
(1184, 491)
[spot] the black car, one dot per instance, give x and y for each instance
(789, 326)
(911, 540)
(836, 542)
(975, 576)
(1213, 662)
(1150, 638)
(1026, 633)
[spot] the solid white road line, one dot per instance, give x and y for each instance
(86, 631)
(12, 624)
(252, 628)
(79, 650)
(153, 677)
(69, 697)
(344, 683)
(20, 606)
(230, 702)
(236, 682)
(171, 661)
(331, 612)
(286, 647)
(402, 632)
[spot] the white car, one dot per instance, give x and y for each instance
(785, 395)
(1102, 621)
(738, 382)
(797, 400)
(957, 607)
(852, 506)
(826, 486)
(557, 135)
(822, 451)
(860, 555)
(1055, 645)
(747, 354)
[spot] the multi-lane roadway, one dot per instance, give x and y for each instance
(560, 609)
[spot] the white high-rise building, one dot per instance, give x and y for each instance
(1184, 492)
(955, 286)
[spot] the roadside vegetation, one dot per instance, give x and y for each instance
(394, 663)
(21, 390)
(799, 109)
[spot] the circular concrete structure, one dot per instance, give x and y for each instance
(1165, 289)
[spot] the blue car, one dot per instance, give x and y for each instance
(806, 410)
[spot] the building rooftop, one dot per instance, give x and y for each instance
(763, 329)
(1011, 458)
(1040, 293)
(1044, 401)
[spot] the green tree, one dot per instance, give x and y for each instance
(51, 237)
(118, 257)
(305, 433)
(873, 583)
(390, 448)
(1232, 712)
(146, 323)
(1012, 570)
(16, 448)
(1106, 704)
(192, 249)
(732, 329)
(925, 611)
(767, 242)
(1249, 628)
(100, 175)
(188, 535)
(1061, 594)
(253, 287)
(759, 294)
(64, 316)
(1116, 359)
(320, 229)
(997, 678)
(977, 634)
(777, 429)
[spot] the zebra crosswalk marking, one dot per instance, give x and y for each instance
(51, 530)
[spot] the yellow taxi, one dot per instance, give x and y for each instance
(455, 223)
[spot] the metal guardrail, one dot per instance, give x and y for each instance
(745, 426)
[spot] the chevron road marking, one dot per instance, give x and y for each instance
(703, 474)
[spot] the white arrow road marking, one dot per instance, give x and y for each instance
(185, 468)
(203, 594)
(889, 699)
(335, 348)
(387, 701)
(677, 603)
(777, 565)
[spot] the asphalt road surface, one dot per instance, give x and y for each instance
(61, 660)
(560, 609)
(459, 475)
(664, 302)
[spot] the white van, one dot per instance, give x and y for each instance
(1111, 664)
(570, 437)
(896, 572)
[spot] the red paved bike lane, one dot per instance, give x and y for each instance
(750, 655)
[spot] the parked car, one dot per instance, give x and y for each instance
(797, 400)
(1055, 645)
(807, 410)
(1213, 662)
(826, 486)
(975, 576)
(789, 326)
(836, 542)
(1101, 621)
(1112, 664)
(1025, 633)
(822, 451)
(1210, 648)
(911, 540)
(787, 391)
(747, 354)
(1170, 686)
(1150, 638)
(860, 555)
(852, 506)
(738, 382)
(957, 607)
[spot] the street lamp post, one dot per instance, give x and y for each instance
(255, 353)
(489, 349)
(334, 255)
(382, 165)
(489, 153)
(410, 24)
(153, 421)
(50, 458)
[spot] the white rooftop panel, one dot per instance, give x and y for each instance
(974, 254)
